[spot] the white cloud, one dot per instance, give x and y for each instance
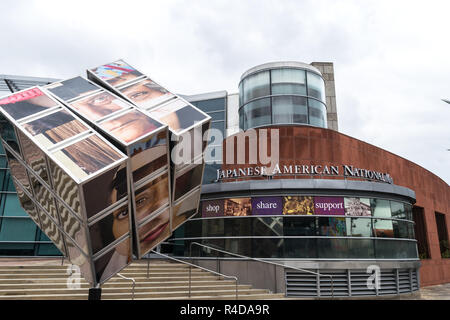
(391, 57)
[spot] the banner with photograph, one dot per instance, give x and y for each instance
(298, 205)
(358, 207)
(238, 207)
(267, 206)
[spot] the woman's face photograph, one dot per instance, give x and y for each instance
(143, 91)
(98, 106)
(151, 197)
(153, 232)
(130, 126)
(121, 225)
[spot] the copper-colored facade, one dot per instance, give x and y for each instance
(305, 145)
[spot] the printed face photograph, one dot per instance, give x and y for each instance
(153, 232)
(185, 209)
(99, 105)
(72, 88)
(188, 181)
(110, 228)
(116, 73)
(113, 261)
(55, 128)
(144, 93)
(26, 103)
(152, 196)
(130, 126)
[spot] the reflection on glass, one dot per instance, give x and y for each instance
(299, 227)
(316, 86)
(289, 109)
(256, 113)
(72, 88)
(26, 103)
(398, 210)
(65, 187)
(210, 227)
(18, 171)
(288, 81)
(317, 113)
(382, 209)
(87, 156)
(145, 93)
(188, 181)
(34, 157)
(45, 198)
(54, 128)
(357, 207)
(116, 73)
(177, 115)
(130, 126)
(99, 105)
(8, 134)
(51, 231)
(113, 261)
(185, 209)
(110, 228)
(28, 205)
(153, 232)
(152, 196)
(359, 227)
(149, 155)
(103, 191)
(256, 85)
(332, 227)
(72, 227)
(272, 226)
(79, 259)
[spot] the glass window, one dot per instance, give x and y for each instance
(332, 227)
(316, 86)
(257, 113)
(18, 229)
(401, 229)
(267, 248)
(289, 109)
(300, 248)
(235, 227)
(382, 209)
(395, 249)
(210, 105)
(212, 227)
(270, 226)
(8, 134)
(359, 227)
(288, 81)
(12, 206)
(398, 210)
(257, 85)
(361, 248)
(215, 116)
(239, 246)
(317, 113)
(333, 248)
(299, 226)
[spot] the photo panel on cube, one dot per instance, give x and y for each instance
(105, 190)
(130, 126)
(110, 228)
(153, 232)
(185, 209)
(65, 187)
(145, 93)
(73, 227)
(116, 73)
(149, 155)
(98, 106)
(188, 181)
(178, 115)
(45, 198)
(151, 196)
(26, 103)
(87, 156)
(72, 88)
(54, 128)
(108, 264)
(34, 157)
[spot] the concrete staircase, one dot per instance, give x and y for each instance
(167, 280)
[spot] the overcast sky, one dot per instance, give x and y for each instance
(391, 58)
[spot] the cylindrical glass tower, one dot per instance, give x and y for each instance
(282, 93)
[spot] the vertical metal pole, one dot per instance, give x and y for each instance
(95, 293)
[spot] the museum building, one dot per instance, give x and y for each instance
(330, 204)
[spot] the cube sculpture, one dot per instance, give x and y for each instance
(187, 124)
(93, 171)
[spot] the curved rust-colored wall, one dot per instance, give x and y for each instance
(305, 145)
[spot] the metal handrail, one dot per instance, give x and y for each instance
(202, 268)
(265, 261)
(130, 279)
